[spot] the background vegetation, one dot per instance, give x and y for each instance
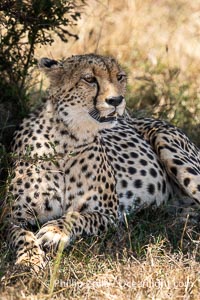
(24, 25)
(155, 256)
(158, 42)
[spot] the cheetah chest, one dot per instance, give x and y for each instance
(89, 180)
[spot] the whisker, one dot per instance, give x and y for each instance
(94, 113)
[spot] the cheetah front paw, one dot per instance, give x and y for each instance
(50, 237)
(34, 261)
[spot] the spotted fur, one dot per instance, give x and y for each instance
(80, 165)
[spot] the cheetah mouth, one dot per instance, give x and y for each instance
(110, 117)
(107, 119)
(95, 114)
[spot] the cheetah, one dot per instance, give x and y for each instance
(81, 163)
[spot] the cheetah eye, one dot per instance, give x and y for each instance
(121, 76)
(89, 78)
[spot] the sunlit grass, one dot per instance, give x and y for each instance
(152, 255)
(158, 44)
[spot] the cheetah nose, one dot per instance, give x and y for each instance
(114, 101)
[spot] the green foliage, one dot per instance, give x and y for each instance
(24, 24)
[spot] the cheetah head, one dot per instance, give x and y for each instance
(87, 90)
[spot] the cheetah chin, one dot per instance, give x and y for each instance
(111, 117)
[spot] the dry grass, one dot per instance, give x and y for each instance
(170, 278)
(131, 29)
(155, 257)
(158, 42)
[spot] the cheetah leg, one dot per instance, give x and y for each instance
(183, 165)
(70, 226)
(179, 155)
(28, 251)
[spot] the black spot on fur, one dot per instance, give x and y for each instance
(138, 183)
(124, 183)
(153, 172)
(192, 171)
(174, 170)
(186, 181)
(151, 189)
(132, 170)
(178, 162)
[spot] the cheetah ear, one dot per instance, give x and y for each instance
(51, 68)
(48, 63)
